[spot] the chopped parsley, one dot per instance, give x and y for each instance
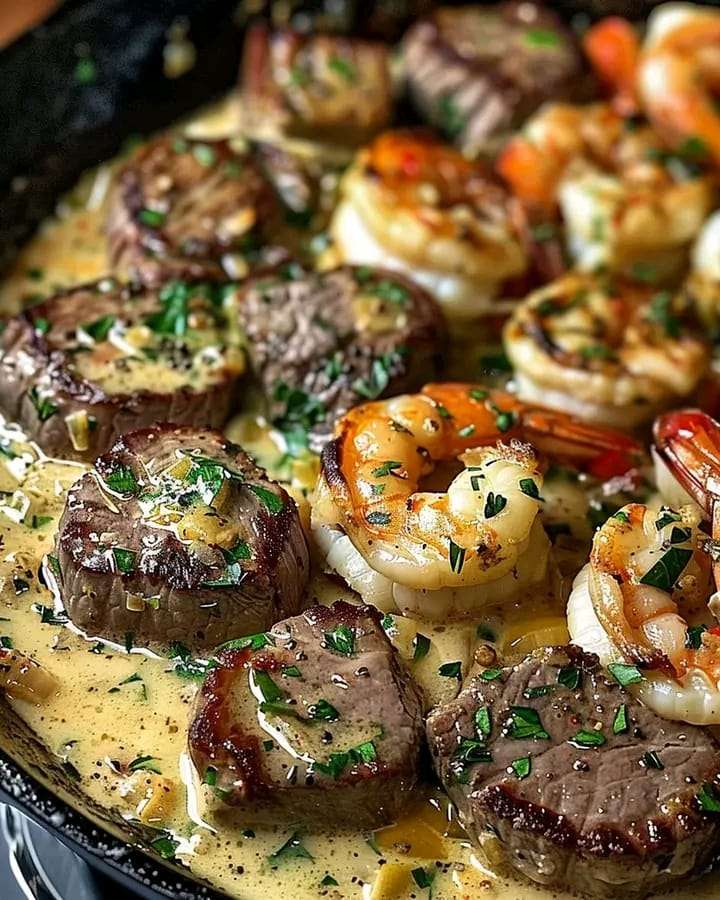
(585, 739)
(624, 674)
(521, 767)
(321, 709)
(421, 646)
(250, 641)
(341, 640)
(451, 670)
(667, 517)
(457, 557)
(661, 313)
(124, 560)
(344, 68)
(494, 504)
(100, 328)
(423, 878)
(44, 406)
(541, 37)
(620, 722)
(524, 722)
(667, 570)
(483, 722)
(492, 674)
(652, 760)
(468, 753)
(165, 846)
(270, 500)
(204, 154)
(529, 487)
(569, 677)
(145, 764)
(173, 317)
(387, 468)
(450, 118)
(121, 480)
(378, 518)
(329, 881)
(693, 638)
(153, 218)
(708, 799)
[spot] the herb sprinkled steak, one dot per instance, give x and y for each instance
(190, 209)
(98, 360)
(315, 721)
(476, 72)
(176, 535)
(582, 786)
(319, 86)
(320, 343)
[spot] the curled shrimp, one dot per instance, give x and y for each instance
(606, 350)
(412, 203)
(445, 553)
(646, 597)
(679, 75)
(624, 201)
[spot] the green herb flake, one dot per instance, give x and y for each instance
(269, 691)
(44, 406)
(661, 313)
(693, 637)
(457, 557)
(145, 764)
(538, 690)
(377, 518)
(494, 504)
(667, 517)
(423, 878)
(323, 710)
(492, 674)
(152, 218)
(270, 500)
(483, 722)
(42, 326)
(329, 881)
(569, 677)
(421, 646)
(85, 71)
(521, 767)
(585, 739)
(524, 722)
(121, 480)
(204, 154)
(450, 118)
(542, 37)
(99, 328)
(667, 570)
(624, 674)
(250, 641)
(620, 722)
(344, 68)
(467, 431)
(124, 560)
(340, 640)
(451, 670)
(529, 487)
(387, 468)
(652, 760)
(40, 521)
(708, 799)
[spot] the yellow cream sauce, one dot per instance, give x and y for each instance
(98, 722)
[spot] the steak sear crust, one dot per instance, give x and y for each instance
(320, 343)
(176, 535)
(583, 787)
(316, 722)
(193, 210)
(476, 72)
(89, 364)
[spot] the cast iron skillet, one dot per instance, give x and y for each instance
(55, 125)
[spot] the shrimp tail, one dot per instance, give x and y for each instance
(531, 174)
(613, 49)
(688, 442)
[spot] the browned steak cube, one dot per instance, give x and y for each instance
(319, 86)
(320, 343)
(176, 535)
(583, 787)
(315, 721)
(95, 361)
(191, 209)
(476, 72)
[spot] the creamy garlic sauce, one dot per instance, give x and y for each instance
(118, 719)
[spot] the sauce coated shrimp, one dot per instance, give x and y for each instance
(414, 204)
(646, 598)
(679, 75)
(604, 349)
(445, 554)
(625, 202)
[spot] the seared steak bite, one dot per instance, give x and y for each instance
(476, 72)
(582, 786)
(190, 209)
(98, 360)
(315, 721)
(319, 86)
(321, 343)
(176, 535)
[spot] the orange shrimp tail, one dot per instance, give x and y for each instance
(688, 442)
(531, 174)
(613, 49)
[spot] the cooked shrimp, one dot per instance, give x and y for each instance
(605, 350)
(645, 599)
(613, 48)
(446, 554)
(414, 204)
(679, 75)
(702, 286)
(628, 205)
